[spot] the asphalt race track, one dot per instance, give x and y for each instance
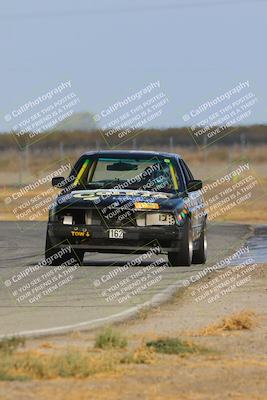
(66, 299)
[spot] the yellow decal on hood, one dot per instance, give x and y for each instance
(142, 205)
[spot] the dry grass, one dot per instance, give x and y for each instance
(110, 338)
(80, 363)
(9, 345)
(143, 313)
(141, 355)
(47, 345)
(250, 212)
(242, 320)
(76, 335)
(72, 362)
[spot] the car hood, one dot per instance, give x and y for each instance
(116, 198)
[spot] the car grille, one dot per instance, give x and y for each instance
(114, 218)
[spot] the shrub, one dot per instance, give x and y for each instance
(110, 338)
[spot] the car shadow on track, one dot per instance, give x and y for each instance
(105, 260)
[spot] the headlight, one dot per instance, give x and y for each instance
(67, 219)
(150, 219)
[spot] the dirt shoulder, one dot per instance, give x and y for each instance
(235, 366)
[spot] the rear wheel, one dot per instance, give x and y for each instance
(53, 257)
(184, 255)
(200, 254)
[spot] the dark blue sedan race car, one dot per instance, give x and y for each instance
(128, 202)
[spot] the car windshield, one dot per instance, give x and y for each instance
(153, 174)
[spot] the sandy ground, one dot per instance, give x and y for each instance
(237, 368)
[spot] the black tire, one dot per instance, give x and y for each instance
(183, 257)
(200, 254)
(72, 257)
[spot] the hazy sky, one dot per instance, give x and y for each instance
(112, 48)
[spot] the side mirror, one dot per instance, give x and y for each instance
(194, 185)
(58, 181)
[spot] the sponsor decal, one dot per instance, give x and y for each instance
(142, 205)
(79, 233)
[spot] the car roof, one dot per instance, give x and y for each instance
(110, 153)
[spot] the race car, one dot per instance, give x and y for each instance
(128, 202)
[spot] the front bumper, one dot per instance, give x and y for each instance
(96, 238)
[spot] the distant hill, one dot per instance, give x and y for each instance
(77, 122)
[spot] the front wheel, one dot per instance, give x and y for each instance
(185, 254)
(200, 254)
